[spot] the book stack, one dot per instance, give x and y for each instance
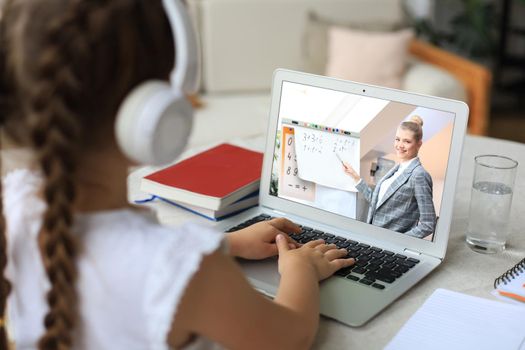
(215, 184)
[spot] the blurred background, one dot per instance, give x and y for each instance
(471, 50)
(491, 32)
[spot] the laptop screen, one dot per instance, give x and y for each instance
(368, 159)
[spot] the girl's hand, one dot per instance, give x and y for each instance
(347, 168)
(321, 259)
(258, 240)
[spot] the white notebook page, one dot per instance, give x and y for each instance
(451, 320)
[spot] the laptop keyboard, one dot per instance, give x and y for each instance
(373, 266)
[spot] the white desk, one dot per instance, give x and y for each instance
(463, 270)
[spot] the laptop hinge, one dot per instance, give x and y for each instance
(412, 252)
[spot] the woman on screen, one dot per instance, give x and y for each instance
(402, 199)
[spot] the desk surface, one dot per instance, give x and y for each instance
(463, 269)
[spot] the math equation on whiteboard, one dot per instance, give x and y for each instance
(313, 142)
(321, 155)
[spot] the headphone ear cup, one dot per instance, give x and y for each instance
(153, 123)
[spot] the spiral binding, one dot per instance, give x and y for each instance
(510, 274)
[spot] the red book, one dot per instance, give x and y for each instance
(212, 179)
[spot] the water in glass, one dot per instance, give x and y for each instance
(489, 212)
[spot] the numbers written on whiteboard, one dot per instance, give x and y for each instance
(315, 143)
(343, 145)
(289, 156)
(290, 184)
(293, 172)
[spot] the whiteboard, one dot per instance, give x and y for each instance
(292, 187)
(318, 153)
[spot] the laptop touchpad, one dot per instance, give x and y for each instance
(263, 274)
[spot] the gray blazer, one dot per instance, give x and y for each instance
(407, 205)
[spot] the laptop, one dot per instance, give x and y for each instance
(316, 123)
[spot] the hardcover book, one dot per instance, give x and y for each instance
(212, 179)
(241, 205)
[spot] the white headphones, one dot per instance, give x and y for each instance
(154, 120)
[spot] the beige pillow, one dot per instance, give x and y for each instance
(377, 58)
(315, 37)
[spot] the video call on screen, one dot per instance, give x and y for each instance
(320, 129)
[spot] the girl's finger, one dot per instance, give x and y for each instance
(326, 247)
(313, 244)
(335, 254)
(285, 225)
(338, 264)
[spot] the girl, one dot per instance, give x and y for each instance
(84, 270)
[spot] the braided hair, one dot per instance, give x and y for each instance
(89, 55)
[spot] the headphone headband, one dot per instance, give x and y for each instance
(185, 75)
(154, 120)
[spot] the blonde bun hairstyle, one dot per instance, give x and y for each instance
(416, 119)
(414, 124)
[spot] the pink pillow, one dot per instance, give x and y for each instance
(377, 58)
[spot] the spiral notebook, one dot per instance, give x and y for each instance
(510, 286)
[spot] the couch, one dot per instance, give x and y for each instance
(244, 41)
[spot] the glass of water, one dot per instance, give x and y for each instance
(490, 203)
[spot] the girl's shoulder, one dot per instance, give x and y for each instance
(23, 206)
(127, 261)
(133, 240)
(146, 262)
(139, 229)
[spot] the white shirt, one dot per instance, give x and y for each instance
(385, 185)
(132, 272)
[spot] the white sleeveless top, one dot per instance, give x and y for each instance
(132, 272)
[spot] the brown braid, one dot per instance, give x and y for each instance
(54, 134)
(90, 54)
